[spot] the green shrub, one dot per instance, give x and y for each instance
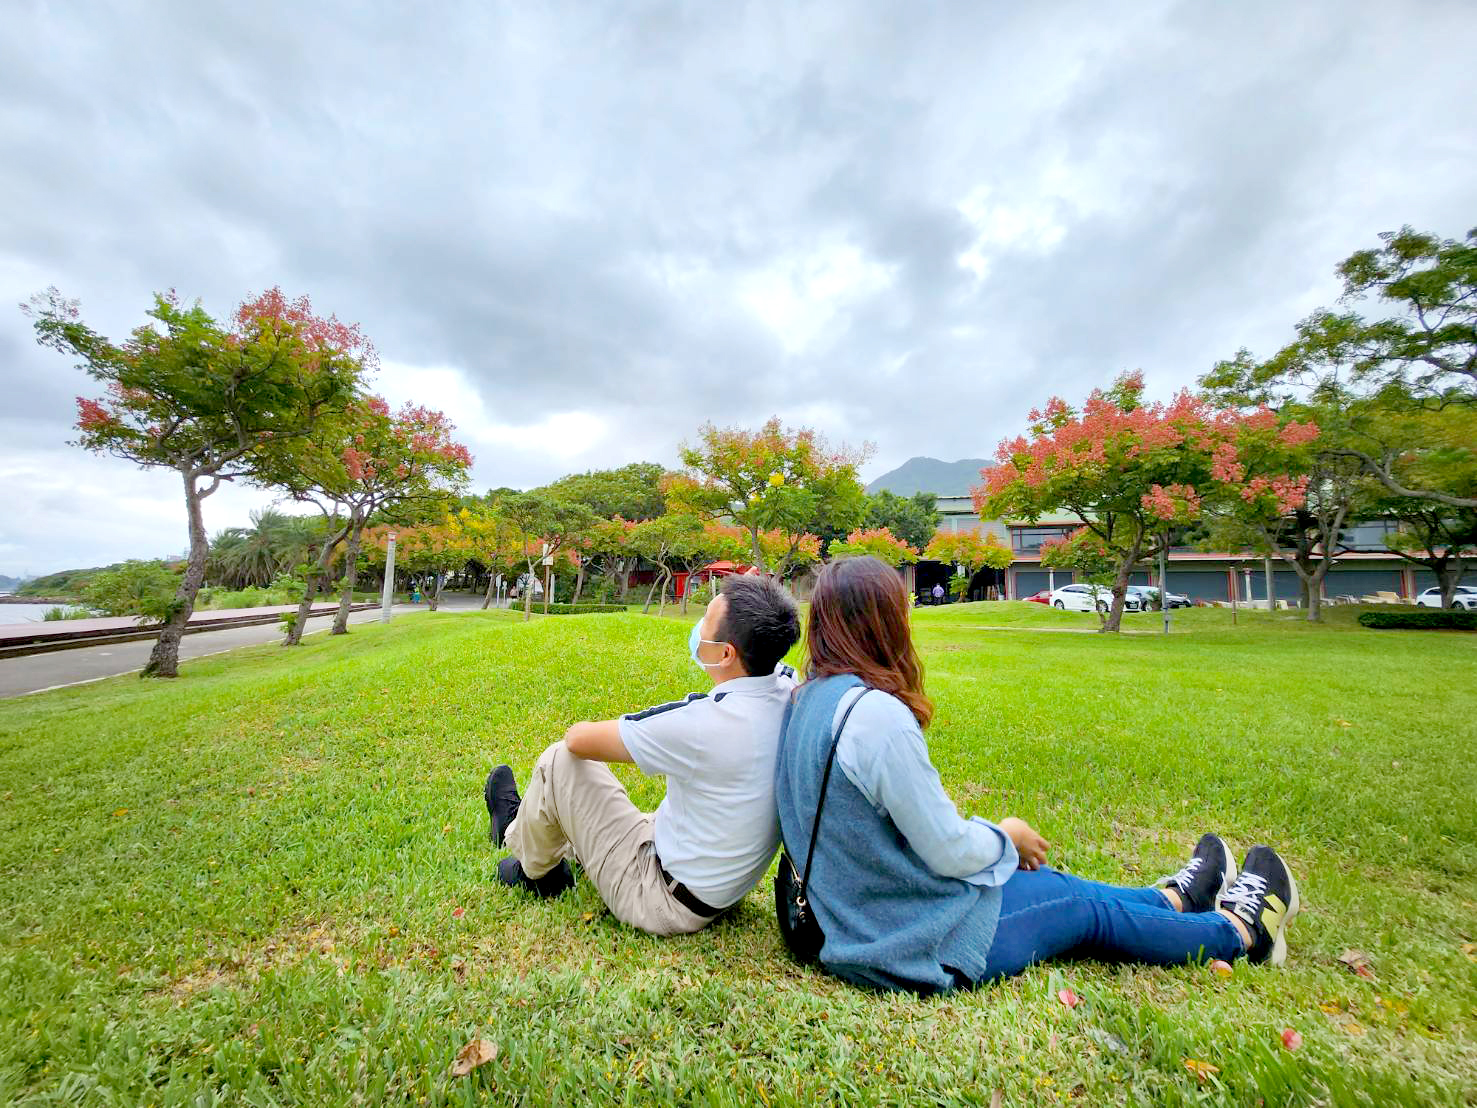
(58, 613)
(1421, 619)
(577, 609)
(133, 589)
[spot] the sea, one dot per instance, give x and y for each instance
(23, 613)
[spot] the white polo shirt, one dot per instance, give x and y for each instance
(717, 828)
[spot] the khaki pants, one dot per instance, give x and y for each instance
(576, 808)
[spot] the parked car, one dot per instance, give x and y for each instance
(1464, 597)
(1087, 598)
(1149, 597)
(1042, 597)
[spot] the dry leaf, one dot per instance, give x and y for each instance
(1470, 950)
(1221, 968)
(1203, 1071)
(587, 917)
(476, 1053)
(1069, 998)
(393, 931)
(1357, 961)
(446, 829)
(1291, 1040)
(458, 913)
(120, 811)
(997, 1098)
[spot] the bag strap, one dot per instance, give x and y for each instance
(826, 780)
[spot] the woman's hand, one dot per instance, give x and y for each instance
(1030, 846)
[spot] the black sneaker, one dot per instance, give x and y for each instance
(558, 880)
(1265, 898)
(501, 794)
(1206, 877)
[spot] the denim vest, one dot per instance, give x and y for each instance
(890, 922)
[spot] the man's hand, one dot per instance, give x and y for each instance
(1030, 846)
(599, 742)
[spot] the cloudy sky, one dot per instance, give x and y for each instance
(584, 229)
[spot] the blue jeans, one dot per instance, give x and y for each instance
(1045, 914)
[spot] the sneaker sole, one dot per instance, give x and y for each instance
(1231, 873)
(1294, 906)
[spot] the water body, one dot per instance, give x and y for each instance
(24, 613)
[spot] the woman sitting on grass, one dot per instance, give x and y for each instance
(911, 896)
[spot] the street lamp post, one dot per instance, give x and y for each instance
(388, 596)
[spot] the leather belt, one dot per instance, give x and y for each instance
(685, 896)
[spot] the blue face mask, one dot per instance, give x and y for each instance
(694, 640)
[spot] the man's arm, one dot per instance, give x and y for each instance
(599, 742)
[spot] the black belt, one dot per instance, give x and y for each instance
(685, 896)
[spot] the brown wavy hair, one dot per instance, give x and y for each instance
(859, 624)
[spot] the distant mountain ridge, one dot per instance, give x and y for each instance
(931, 475)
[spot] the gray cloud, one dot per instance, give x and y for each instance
(586, 230)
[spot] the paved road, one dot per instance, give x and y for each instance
(37, 672)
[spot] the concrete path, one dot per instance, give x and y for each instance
(39, 672)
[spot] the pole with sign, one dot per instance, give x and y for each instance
(388, 596)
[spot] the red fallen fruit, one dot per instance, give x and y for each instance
(459, 913)
(1069, 998)
(1291, 1040)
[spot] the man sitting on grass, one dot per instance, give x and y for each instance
(716, 830)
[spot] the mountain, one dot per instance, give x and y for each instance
(9, 583)
(932, 475)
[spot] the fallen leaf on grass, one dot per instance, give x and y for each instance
(446, 829)
(1358, 962)
(458, 913)
(1470, 950)
(1069, 998)
(1343, 723)
(1107, 1040)
(587, 917)
(393, 931)
(1291, 1040)
(997, 1098)
(120, 811)
(1221, 968)
(476, 1053)
(1203, 1071)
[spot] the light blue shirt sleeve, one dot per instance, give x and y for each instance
(883, 753)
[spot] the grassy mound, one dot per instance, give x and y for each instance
(270, 881)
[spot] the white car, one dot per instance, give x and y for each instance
(1465, 596)
(1088, 598)
(1149, 597)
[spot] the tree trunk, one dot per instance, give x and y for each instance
(164, 658)
(351, 578)
(645, 608)
(758, 553)
(1120, 589)
(491, 585)
(1270, 577)
(1449, 576)
(528, 593)
(433, 596)
(579, 584)
(661, 600)
(325, 558)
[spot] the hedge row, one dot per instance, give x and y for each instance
(1422, 619)
(577, 609)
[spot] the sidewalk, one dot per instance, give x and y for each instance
(17, 639)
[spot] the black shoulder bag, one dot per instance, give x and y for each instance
(798, 926)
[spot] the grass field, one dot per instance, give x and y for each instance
(270, 881)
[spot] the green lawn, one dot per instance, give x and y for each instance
(270, 881)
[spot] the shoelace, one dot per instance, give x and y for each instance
(1186, 876)
(1246, 896)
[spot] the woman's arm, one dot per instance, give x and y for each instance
(884, 755)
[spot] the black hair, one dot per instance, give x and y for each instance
(762, 622)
